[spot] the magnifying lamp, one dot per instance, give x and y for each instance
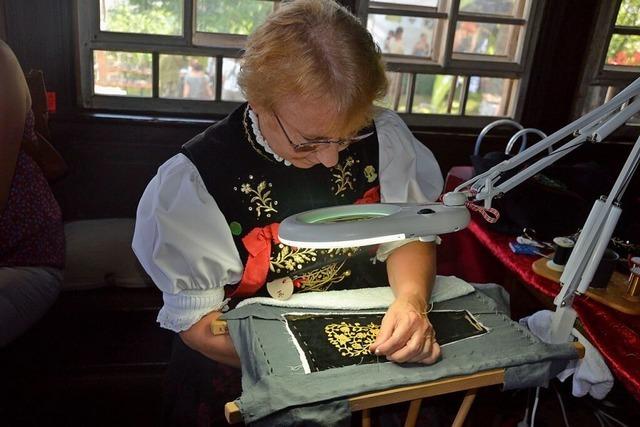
(370, 224)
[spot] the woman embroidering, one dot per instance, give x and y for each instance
(308, 137)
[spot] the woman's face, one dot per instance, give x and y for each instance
(292, 124)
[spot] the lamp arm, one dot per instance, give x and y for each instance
(593, 126)
(587, 252)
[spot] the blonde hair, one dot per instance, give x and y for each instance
(315, 50)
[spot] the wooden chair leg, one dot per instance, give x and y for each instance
(412, 414)
(366, 418)
(464, 407)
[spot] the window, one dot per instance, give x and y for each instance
(615, 58)
(164, 55)
(450, 62)
(454, 62)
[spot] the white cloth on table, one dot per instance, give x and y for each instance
(191, 268)
(590, 374)
(444, 288)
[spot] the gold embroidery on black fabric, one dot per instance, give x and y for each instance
(342, 251)
(370, 173)
(343, 179)
(352, 339)
(291, 259)
(261, 198)
(321, 279)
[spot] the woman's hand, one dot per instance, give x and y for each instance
(406, 335)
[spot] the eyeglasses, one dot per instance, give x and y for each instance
(312, 145)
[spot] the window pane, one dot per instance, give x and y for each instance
(187, 77)
(122, 73)
(485, 39)
(489, 7)
(230, 89)
(629, 13)
(231, 16)
(437, 94)
(488, 96)
(396, 97)
(598, 95)
(402, 35)
(142, 16)
(624, 50)
(424, 3)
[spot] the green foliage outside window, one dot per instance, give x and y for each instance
(162, 17)
(231, 16)
(629, 13)
(625, 50)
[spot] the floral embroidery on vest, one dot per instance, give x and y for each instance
(343, 178)
(287, 259)
(322, 278)
(260, 197)
(370, 173)
(290, 259)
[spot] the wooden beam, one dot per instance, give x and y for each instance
(429, 389)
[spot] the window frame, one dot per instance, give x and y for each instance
(90, 38)
(596, 72)
(464, 65)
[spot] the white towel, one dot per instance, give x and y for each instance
(445, 288)
(590, 374)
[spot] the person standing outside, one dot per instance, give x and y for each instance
(197, 84)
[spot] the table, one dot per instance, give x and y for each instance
(616, 335)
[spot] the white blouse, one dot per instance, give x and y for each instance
(191, 269)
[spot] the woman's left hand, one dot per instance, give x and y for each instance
(406, 335)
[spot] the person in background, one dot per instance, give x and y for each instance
(421, 48)
(396, 44)
(31, 231)
(387, 41)
(197, 84)
(308, 137)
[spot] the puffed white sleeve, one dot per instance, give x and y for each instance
(183, 242)
(409, 172)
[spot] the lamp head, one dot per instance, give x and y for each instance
(370, 224)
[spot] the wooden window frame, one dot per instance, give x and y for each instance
(90, 38)
(596, 72)
(465, 65)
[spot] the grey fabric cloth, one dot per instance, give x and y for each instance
(26, 293)
(335, 414)
(273, 380)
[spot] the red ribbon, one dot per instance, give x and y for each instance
(372, 195)
(258, 244)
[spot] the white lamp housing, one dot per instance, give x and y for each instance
(369, 224)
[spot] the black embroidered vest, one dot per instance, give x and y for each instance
(252, 189)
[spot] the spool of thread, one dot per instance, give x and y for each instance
(564, 246)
